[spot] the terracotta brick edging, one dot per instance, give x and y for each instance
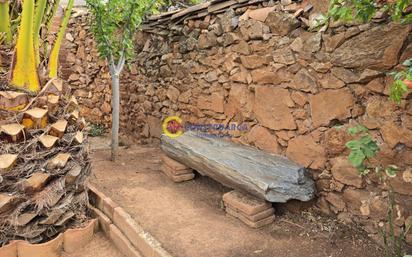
(128, 236)
(69, 241)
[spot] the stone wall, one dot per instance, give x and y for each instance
(87, 73)
(298, 92)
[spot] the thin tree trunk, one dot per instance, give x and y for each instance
(115, 112)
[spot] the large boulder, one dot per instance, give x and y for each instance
(377, 48)
(270, 177)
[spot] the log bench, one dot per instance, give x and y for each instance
(269, 177)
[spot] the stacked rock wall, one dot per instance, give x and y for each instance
(297, 91)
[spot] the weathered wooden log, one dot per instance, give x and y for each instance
(270, 177)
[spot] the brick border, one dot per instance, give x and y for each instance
(54, 247)
(128, 236)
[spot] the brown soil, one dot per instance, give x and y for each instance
(189, 221)
(100, 246)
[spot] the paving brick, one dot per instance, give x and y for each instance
(256, 217)
(175, 165)
(122, 221)
(253, 224)
(176, 172)
(133, 231)
(178, 178)
(160, 252)
(104, 221)
(108, 207)
(96, 196)
(246, 203)
(141, 240)
(122, 243)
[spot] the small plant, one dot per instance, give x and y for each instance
(96, 130)
(393, 243)
(365, 10)
(403, 82)
(362, 148)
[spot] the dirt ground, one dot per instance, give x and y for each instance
(100, 246)
(188, 218)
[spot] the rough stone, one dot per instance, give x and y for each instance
(230, 38)
(240, 101)
(267, 76)
(332, 42)
(313, 43)
(336, 201)
(400, 185)
(253, 61)
(335, 140)
(321, 67)
(391, 134)
(263, 139)
(304, 81)
(353, 199)
(324, 108)
(173, 94)
(345, 75)
(331, 82)
(217, 102)
(297, 44)
(377, 48)
(207, 40)
(273, 114)
(155, 126)
(252, 29)
(281, 23)
(233, 163)
(376, 85)
(241, 75)
(284, 56)
(305, 151)
(345, 173)
(260, 14)
(185, 97)
(299, 98)
(242, 48)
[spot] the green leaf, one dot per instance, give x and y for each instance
(356, 158)
(365, 140)
(353, 145)
(357, 129)
(397, 90)
(407, 62)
